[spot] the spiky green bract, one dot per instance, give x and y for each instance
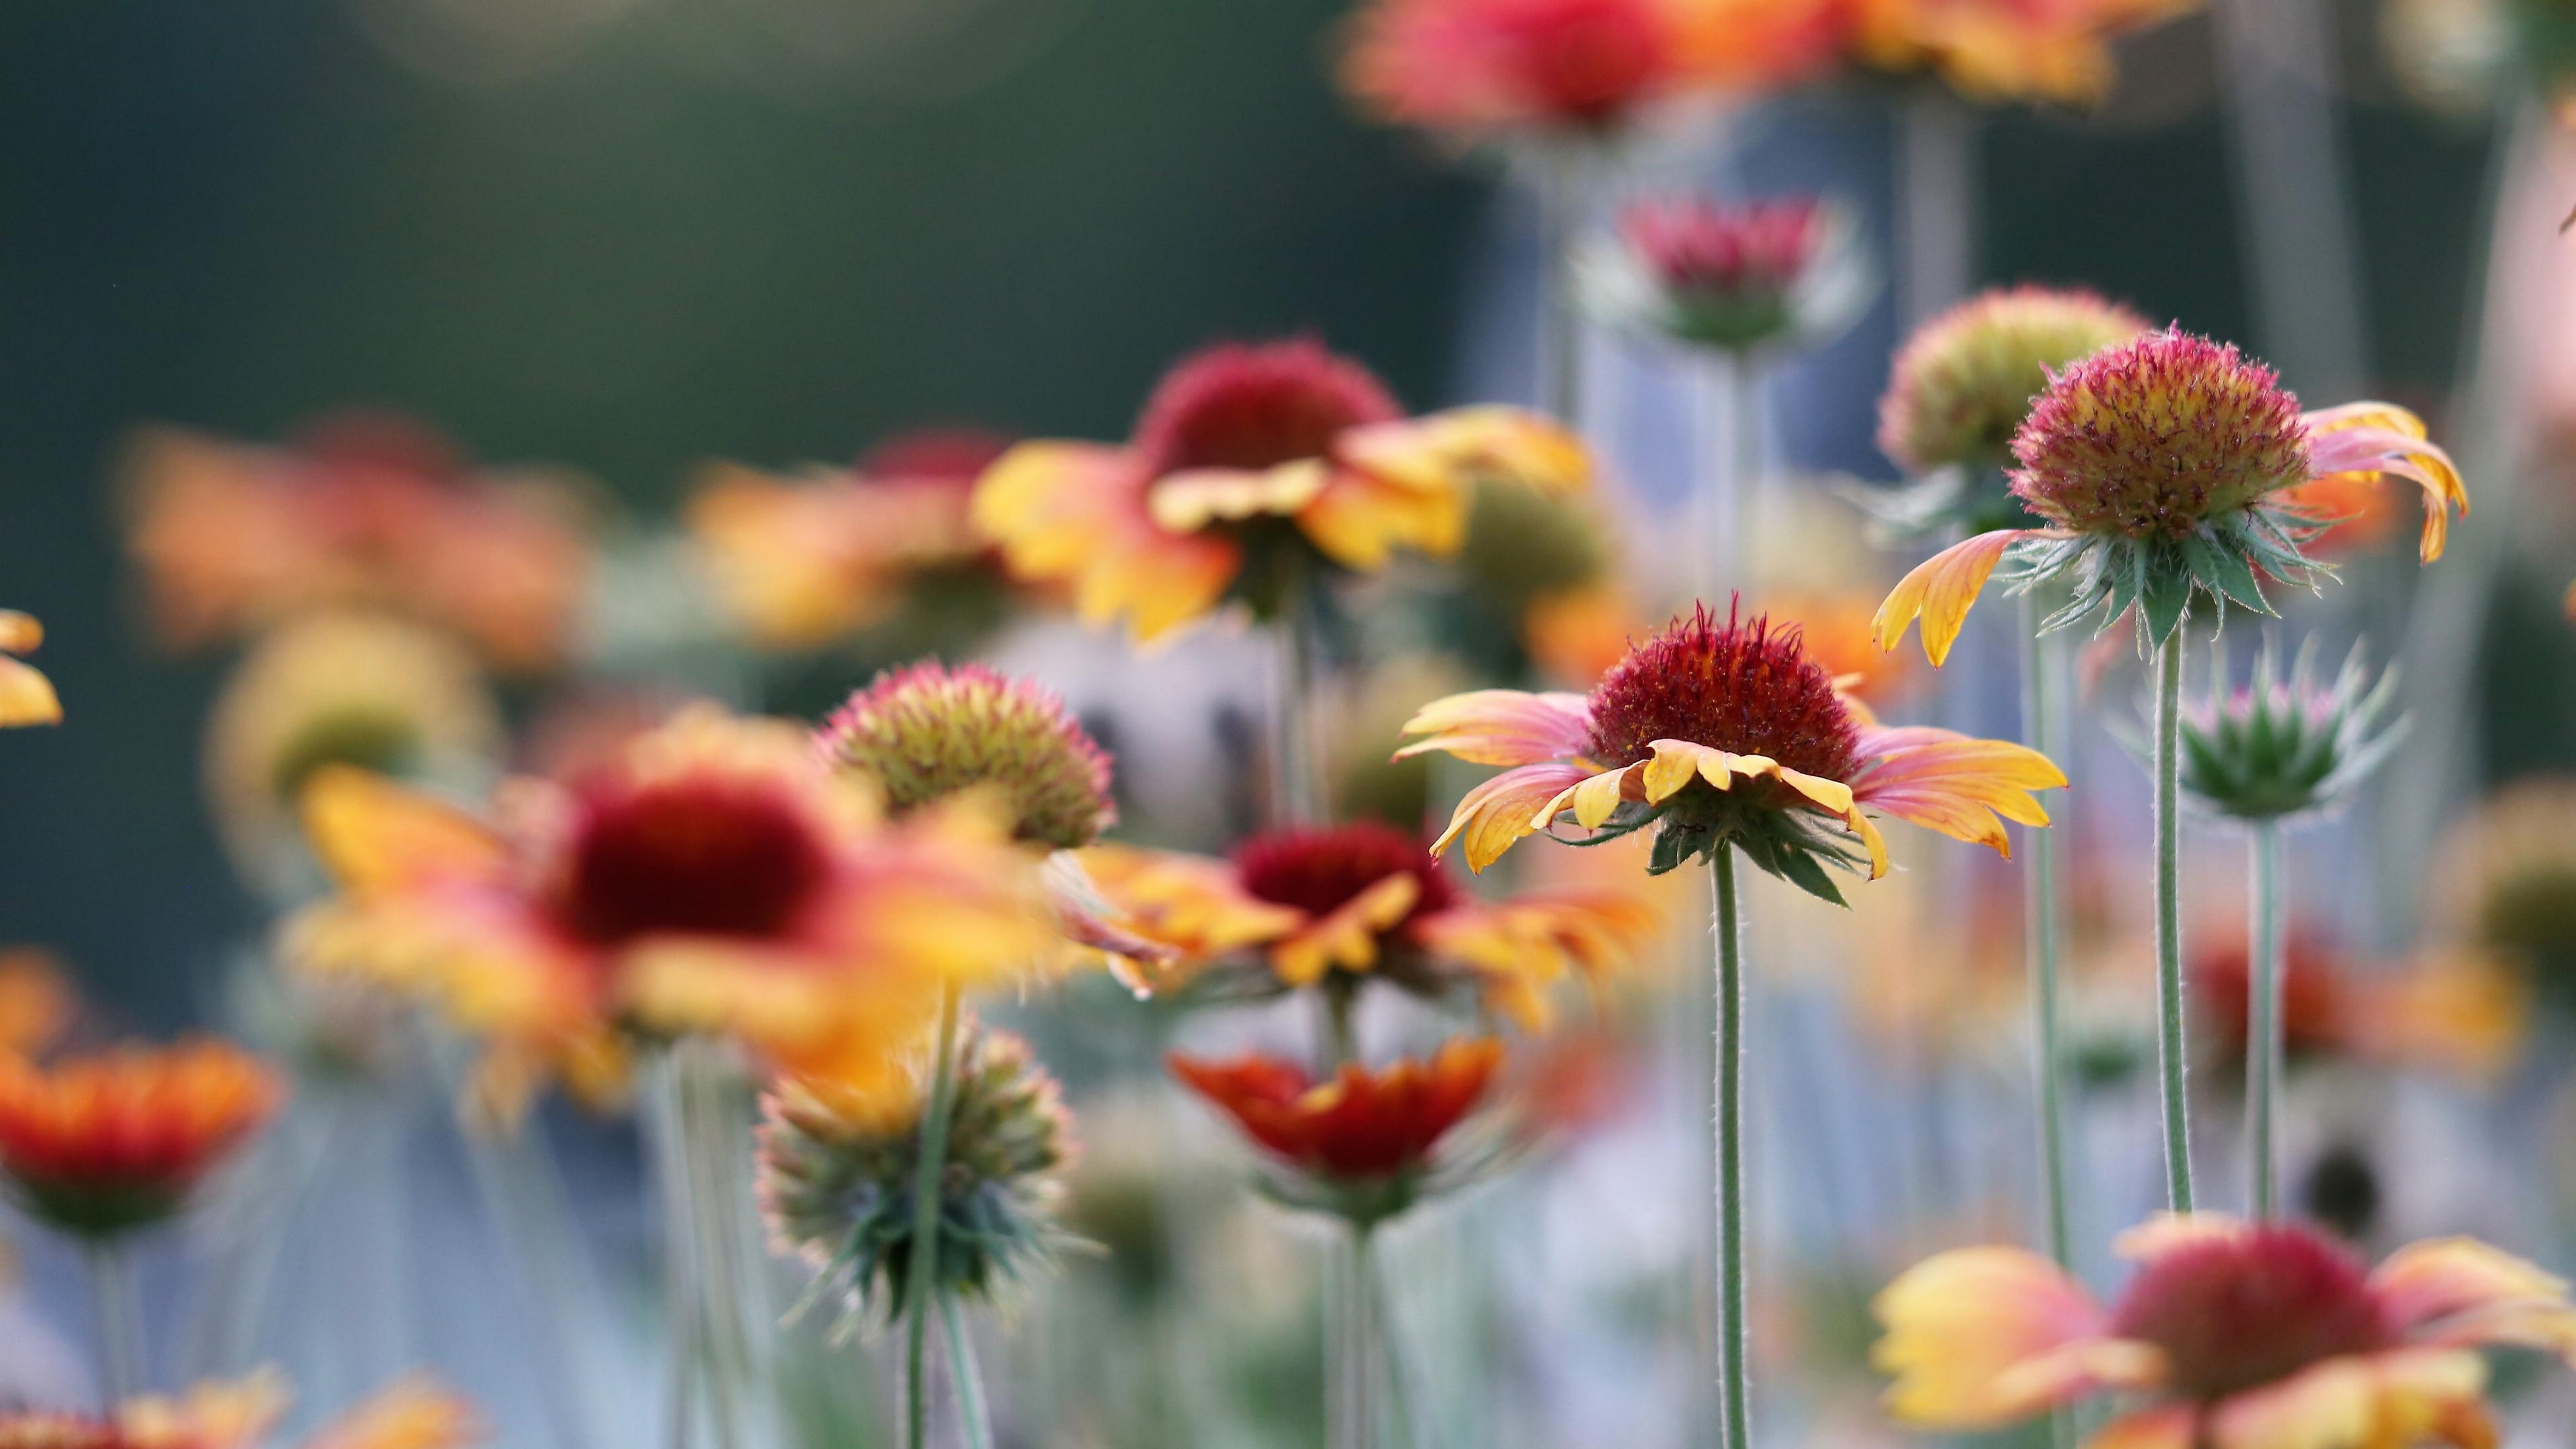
(2163, 468)
(837, 1189)
(927, 732)
(2284, 747)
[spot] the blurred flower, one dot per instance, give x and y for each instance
(1487, 69)
(928, 732)
(2002, 50)
(415, 1413)
(2237, 1336)
(716, 875)
(1253, 466)
(101, 1145)
(36, 1000)
(1367, 1144)
(1723, 734)
(2448, 54)
(2286, 747)
(2166, 468)
(362, 509)
(1366, 899)
(2507, 885)
(1580, 633)
(1532, 563)
(2451, 1012)
(1964, 383)
(837, 1175)
(338, 688)
(1735, 279)
(804, 559)
(26, 696)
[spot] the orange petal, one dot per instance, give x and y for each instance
(1960, 1324)
(1499, 812)
(376, 837)
(1939, 590)
(26, 696)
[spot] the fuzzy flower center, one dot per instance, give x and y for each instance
(2232, 1314)
(928, 732)
(1321, 869)
(692, 857)
(1256, 406)
(2153, 437)
(1741, 685)
(1731, 252)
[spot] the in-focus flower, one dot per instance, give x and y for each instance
(1364, 899)
(2229, 1336)
(101, 1145)
(2507, 886)
(1724, 733)
(1253, 468)
(1963, 384)
(414, 1413)
(1366, 1144)
(1732, 279)
(370, 690)
(2452, 1012)
(716, 875)
(26, 695)
(837, 1174)
(1480, 70)
(2166, 469)
(362, 509)
(807, 558)
(2002, 50)
(2287, 747)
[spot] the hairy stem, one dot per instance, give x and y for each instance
(2264, 1044)
(1733, 1340)
(2170, 1046)
(975, 1421)
(921, 1275)
(2044, 923)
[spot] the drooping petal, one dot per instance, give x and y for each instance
(1077, 514)
(2371, 437)
(2460, 1291)
(1501, 727)
(1497, 813)
(1940, 590)
(1359, 520)
(1959, 1326)
(1953, 783)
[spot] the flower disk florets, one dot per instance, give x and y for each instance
(1964, 383)
(836, 1185)
(2282, 747)
(1320, 869)
(1743, 686)
(1256, 406)
(929, 732)
(2155, 437)
(2235, 1312)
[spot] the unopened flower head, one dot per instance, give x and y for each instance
(103, 1145)
(1964, 383)
(2288, 746)
(837, 1177)
(928, 732)
(1726, 278)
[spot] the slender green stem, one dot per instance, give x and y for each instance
(921, 1275)
(711, 1182)
(1733, 1340)
(680, 1284)
(1297, 791)
(1393, 1346)
(2044, 923)
(120, 1320)
(1560, 362)
(1338, 999)
(975, 1422)
(2263, 1026)
(2169, 1023)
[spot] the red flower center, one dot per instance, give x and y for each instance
(1257, 405)
(1321, 869)
(1745, 687)
(697, 857)
(1583, 61)
(2235, 1313)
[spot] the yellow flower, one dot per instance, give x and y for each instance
(2230, 1336)
(26, 696)
(1723, 734)
(1252, 466)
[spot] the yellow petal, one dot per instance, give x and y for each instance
(1940, 590)
(26, 696)
(1194, 498)
(19, 633)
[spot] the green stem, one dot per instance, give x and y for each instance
(681, 1288)
(921, 1267)
(2170, 1046)
(1339, 998)
(1392, 1344)
(723, 1340)
(1560, 202)
(1296, 757)
(1733, 1341)
(2044, 923)
(2263, 1026)
(120, 1321)
(974, 1421)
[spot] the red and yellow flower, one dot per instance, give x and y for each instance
(1362, 1129)
(1252, 466)
(26, 695)
(2165, 469)
(105, 1144)
(362, 509)
(2001, 50)
(1367, 900)
(2455, 1012)
(715, 875)
(415, 1413)
(1723, 733)
(2229, 1336)
(805, 558)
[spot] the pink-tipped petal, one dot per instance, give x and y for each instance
(1501, 727)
